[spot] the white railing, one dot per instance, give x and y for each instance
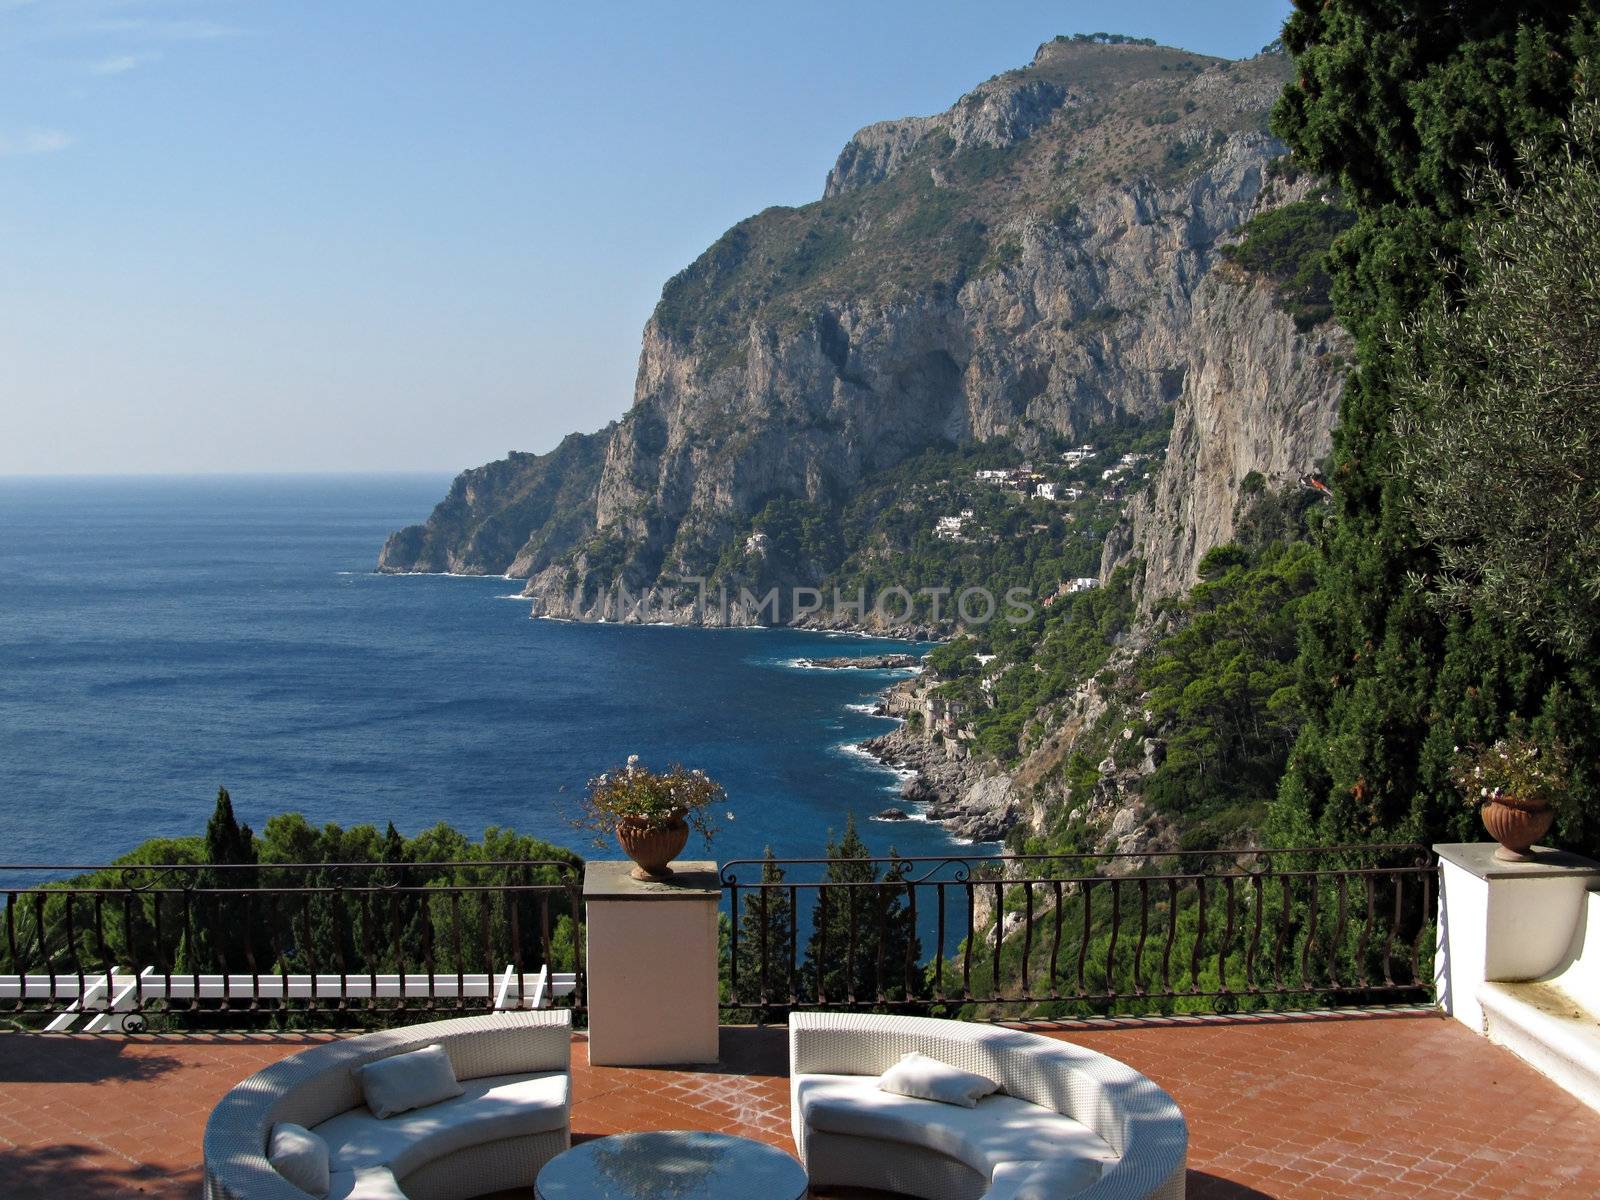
(110, 999)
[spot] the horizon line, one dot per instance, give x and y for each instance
(287, 473)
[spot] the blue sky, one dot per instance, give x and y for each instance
(351, 235)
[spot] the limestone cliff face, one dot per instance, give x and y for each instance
(1122, 310)
(1261, 397)
(995, 115)
(1042, 257)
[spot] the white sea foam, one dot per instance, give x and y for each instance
(428, 575)
(870, 710)
(855, 750)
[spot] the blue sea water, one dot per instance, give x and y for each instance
(159, 638)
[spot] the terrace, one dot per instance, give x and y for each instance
(1330, 1072)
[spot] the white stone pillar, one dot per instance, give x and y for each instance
(1505, 921)
(651, 964)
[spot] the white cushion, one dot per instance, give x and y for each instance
(929, 1079)
(996, 1131)
(407, 1081)
(300, 1156)
(488, 1109)
(1050, 1180)
(369, 1183)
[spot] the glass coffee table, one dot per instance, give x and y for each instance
(672, 1166)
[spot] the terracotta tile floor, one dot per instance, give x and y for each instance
(1393, 1106)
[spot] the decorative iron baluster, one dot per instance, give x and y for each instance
(368, 952)
(429, 963)
(1144, 932)
(1255, 935)
(912, 985)
(72, 958)
(313, 959)
(999, 936)
(822, 944)
(882, 905)
(1363, 980)
(1027, 937)
(1283, 934)
(1227, 939)
(1111, 945)
(1172, 934)
(488, 951)
(455, 948)
(275, 936)
(1055, 939)
(249, 934)
(1338, 937)
(792, 987)
(1087, 887)
(966, 958)
(763, 989)
(1312, 918)
(850, 936)
(733, 940)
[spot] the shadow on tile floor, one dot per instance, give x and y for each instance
(82, 1170)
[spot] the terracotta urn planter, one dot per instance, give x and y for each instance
(1516, 825)
(652, 846)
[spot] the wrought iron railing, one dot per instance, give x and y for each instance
(302, 946)
(1080, 935)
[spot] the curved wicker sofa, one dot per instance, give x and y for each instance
(482, 1144)
(1013, 1146)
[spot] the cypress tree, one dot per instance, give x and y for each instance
(227, 841)
(883, 935)
(765, 916)
(1400, 104)
(222, 923)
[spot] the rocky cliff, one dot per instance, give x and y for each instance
(1257, 409)
(1042, 258)
(512, 517)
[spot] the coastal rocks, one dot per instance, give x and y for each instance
(971, 800)
(868, 662)
(892, 814)
(985, 812)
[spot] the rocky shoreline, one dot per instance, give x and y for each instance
(866, 662)
(968, 799)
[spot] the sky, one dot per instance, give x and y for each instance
(410, 235)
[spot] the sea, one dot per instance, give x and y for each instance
(163, 637)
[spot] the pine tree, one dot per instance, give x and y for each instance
(766, 943)
(862, 936)
(1399, 103)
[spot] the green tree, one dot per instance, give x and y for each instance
(227, 841)
(766, 942)
(221, 925)
(1501, 431)
(1400, 103)
(862, 936)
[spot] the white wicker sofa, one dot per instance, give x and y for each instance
(513, 1117)
(1066, 1122)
